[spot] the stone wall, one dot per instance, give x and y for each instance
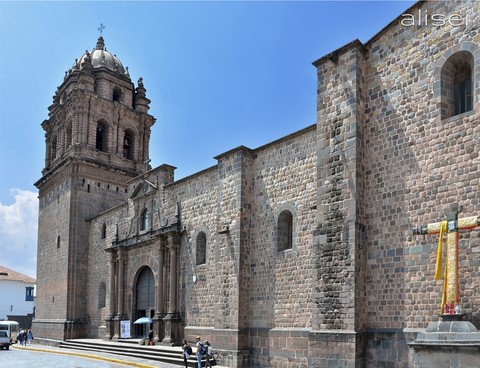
(356, 284)
(245, 283)
(408, 164)
(64, 240)
(52, 255)
(281, 283)
(418, 164)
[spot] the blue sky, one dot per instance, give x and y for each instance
(220, 74)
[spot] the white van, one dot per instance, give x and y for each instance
(11, 327)
(5, 341)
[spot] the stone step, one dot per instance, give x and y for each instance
(131, 348)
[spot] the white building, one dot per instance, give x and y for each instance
(17, 294)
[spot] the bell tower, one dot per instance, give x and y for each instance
(97, 139)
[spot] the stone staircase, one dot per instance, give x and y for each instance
(131, 348)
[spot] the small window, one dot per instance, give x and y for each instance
(457, 84)
(145, 220)
(68, 136)
(117, 94)
(201, 250)
(128, 145)
(104, 231)
(462, 90)
(285, 231)
(101, 137)
(58, 242)
(54, 148)
(29, 294)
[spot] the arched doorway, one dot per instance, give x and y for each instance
(145, 298)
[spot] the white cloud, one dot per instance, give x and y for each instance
(18, 232)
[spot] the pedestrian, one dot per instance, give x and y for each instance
(187, 351)
(209, 354)
(20, 337)
(29, 336)
(200, 351)
(150, 337)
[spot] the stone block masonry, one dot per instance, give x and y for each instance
(299, 253)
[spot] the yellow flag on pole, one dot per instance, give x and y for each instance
(439, 264)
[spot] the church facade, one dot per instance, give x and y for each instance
(299, 253)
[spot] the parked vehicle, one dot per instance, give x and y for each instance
(11, 328)
(5, 340)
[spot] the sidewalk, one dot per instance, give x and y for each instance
(111, 358)
(107, 357)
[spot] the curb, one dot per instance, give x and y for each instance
(95, 357)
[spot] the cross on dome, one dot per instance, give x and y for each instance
(101, 28)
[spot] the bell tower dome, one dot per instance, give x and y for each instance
(98, 115)
(97, 139)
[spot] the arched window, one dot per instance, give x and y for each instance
(144, 220)
(101, 137)
(457, 84)
(102, 295)
(285, 231)
(54, 148)
(462, 90)
(68, 136)
(201, 250)
(104, 231)
(128, 145)
(117, 94)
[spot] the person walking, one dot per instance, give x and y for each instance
(29, 336)
(187, 351)
(200, 351)
(24, 337)
(20, 337)
(208, 354)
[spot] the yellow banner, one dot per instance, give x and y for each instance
(468, 222)
(442, 228)
(452, 268)
(436, 227)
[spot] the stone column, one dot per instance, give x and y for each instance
(121, 283)
(172, 297)
(113, 297)
(172, 319)
(113, 284)
(120, 291)
(160, 305)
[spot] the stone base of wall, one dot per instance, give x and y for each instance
(447, 357)
(58, 329)
(343, 349)
(451, 343)
(99, 333)
(229, 344)
(302, 348)
(278, 347)
(389, 347)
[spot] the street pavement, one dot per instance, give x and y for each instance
(39, 356)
